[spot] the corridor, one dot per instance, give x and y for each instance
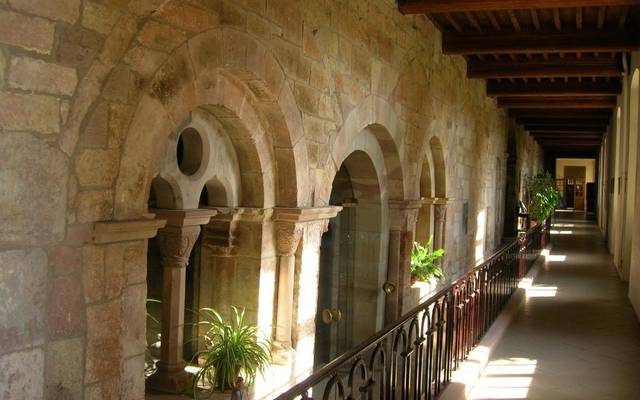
(576, 335)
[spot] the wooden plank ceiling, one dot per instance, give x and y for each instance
(556, 65)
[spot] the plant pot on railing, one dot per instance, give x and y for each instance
(425, 264)
(544, 198)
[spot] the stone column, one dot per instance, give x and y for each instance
(175, 243)
(402, 217)
(287, 239)
(217, 269)
(439, 223)
(289, 225)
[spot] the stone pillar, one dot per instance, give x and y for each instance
(402, 217)
(217, 269)
(439, 224)
(287, 239)
(289, 226)
(115, 261)
(175, 243)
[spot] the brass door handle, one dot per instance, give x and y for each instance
(330, 316)
(327, 316)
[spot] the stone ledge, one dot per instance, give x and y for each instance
(305, 214)
(123, 231)
(200, 216)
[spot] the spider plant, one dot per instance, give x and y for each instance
(230, 349)
(424, 263)
(153, 322)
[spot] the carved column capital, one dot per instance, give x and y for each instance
(440, 212)
(403, 214)
(175, 244)
(219, 235)
(290, 223)
(287, 238)
(176, 240)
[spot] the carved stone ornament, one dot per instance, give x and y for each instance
(175, 244)
(404, 214)
(440, 212)
(287, 238)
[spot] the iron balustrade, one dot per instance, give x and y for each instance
(415, 357)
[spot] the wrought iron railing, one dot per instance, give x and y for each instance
(415, 357)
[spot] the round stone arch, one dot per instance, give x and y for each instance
(245, 90)
(425, 190)
(374, 125)
(365, 142)
(439, 167)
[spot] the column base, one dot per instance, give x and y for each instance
(170, 380)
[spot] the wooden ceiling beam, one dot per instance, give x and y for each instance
(555, 102)
(493, 20)
(564, 122)
(560, 89)
(583, 67)
(569, 143)
(571, 138)
(540, 130)
(540, 42)
(441, 6)
(560, 113)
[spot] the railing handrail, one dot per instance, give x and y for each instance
(329, 369)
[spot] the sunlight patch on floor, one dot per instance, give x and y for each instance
(542, 291)
(564, 225)
(556, 232)
(505, 379)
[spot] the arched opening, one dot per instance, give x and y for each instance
(424, 225)
(162, 194)
(350, 302)
(439, 171)
(214, 179)
(440, 192)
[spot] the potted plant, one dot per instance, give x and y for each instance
(424, 263)
(544, 196)
(233, 352)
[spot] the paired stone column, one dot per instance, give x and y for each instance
(402, 217)
(439, 223)
(289, 226)
(175, 243)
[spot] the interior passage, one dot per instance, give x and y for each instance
(575, 336)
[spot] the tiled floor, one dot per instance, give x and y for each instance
(576, 336)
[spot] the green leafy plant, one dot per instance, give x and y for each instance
(424, 263)
(231, 349)
(152, 322)
(544, 196)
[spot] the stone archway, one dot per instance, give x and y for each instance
(439, 168)
(350, 302)
(257, 110)
(424, 225)
(260, 99)
(440, 192)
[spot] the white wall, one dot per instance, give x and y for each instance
(621, 161)
(588, 163)
(634, 191)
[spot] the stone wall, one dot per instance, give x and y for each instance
(530, 160)
(89, 93)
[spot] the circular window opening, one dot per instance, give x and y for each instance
(189, 152)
